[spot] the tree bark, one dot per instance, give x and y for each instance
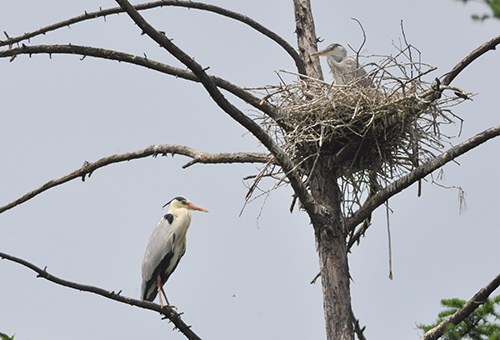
(332, 251)
(328, 225)
(306, 37)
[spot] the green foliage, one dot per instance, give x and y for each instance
(482, 324)
(495, 8)
(5, 337)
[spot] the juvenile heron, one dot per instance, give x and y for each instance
(166, 246)
(344, 69)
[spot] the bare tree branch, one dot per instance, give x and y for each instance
(435, 163)
(357, 235)
(399, 185)
(490, 45)
(166, 311)
(467, 309)
(220, 158)
(198, 157)
(265, 107)
(358, 329)
(281, 157)
(188, 4)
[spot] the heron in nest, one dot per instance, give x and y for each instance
(345, 69)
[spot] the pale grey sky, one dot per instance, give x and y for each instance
(242, 277)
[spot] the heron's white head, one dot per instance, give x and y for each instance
(181, 202)
(337, 51)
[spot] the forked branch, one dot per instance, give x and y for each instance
(197, 157)
(187, 4)
(279, 154)
(166, 311)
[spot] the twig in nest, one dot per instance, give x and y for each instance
(386, 129)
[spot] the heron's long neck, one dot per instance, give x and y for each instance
(187, 215)
(181, 215)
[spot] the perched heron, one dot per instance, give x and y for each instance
(166, 246)
(344, 69)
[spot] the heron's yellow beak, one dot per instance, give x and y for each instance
(317, 54)
(192, 206)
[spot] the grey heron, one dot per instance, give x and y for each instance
(166, 246)
(345, 69)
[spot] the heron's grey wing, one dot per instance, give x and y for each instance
(351, 67)
(356, 71)
(157, 248)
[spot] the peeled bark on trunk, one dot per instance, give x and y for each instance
(332, 250)
(328, 225)
(335, 281)
(306, 37)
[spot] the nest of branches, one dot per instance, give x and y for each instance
(365, 135)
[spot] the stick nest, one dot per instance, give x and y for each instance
(365, 134)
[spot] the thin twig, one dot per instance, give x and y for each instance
(358, 51)
(389, 243)
(357, 328)
(310, 78)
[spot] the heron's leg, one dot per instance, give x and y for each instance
(165, 295)
(160, 289)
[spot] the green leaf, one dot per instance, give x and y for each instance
(494, 5)
(5, 337)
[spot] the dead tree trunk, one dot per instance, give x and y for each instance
(332, 251)
(328, 227)
(306, 37)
